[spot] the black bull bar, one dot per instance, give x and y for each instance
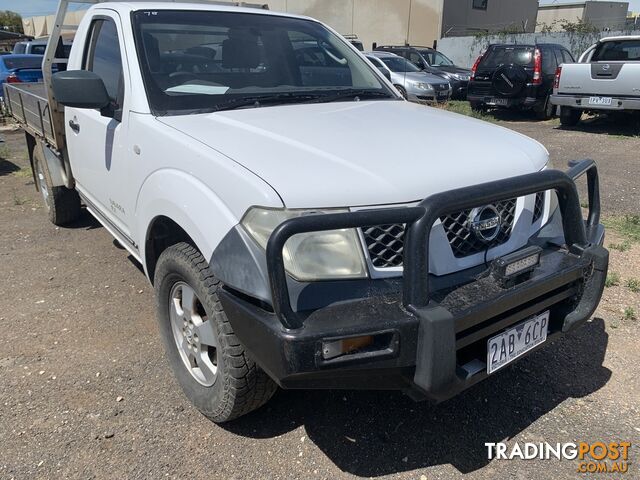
(420, 219)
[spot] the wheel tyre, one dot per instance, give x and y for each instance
(402, 91)
(240, 385)
(569, 117)
(62, 203)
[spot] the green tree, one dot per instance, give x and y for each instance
(11, 21)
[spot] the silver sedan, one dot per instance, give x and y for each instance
(414, 84)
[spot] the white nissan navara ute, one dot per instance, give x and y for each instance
(243, 158)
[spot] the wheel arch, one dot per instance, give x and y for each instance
(173, 207)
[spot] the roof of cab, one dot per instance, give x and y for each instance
(127, 7)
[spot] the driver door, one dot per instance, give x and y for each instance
(97, 140)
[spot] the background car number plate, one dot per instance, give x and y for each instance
(509, 345)
(498, 101)
(600, 100)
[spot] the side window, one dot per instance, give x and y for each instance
(479, 4)
(416, 59)
(558, 53)
(103, 58)
(568, 58)
(548, 61)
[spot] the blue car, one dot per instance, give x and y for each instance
(17, 68)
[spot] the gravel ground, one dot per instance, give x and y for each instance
(86, 392)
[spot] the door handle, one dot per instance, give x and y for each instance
(75, 126)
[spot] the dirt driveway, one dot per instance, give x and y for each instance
(86, 392)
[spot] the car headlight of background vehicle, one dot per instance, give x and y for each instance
(335, 254)
(423, 86)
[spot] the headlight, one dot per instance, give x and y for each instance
(423, 86)
(335, 254)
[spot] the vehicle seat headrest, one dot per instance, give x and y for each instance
(240, 50)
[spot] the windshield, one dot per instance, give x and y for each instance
(197, 61)
(624, 50)
(22, 62)
(399, 64)
(435, 58)
(497, 56)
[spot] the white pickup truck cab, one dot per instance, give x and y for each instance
(276, 189)
(608, 79)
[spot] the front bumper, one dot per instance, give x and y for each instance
(428, 96)
(483, 92)
(430, 343)
(582, 102)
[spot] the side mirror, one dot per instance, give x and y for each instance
(80, 89)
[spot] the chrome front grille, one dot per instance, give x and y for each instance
(463, 241)
(385, 243)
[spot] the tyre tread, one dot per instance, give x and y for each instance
(246, 386)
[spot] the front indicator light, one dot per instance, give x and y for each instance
(345, 346)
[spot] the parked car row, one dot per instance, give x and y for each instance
(543, 77)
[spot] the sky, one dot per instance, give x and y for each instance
(34, 8)
(31, 8)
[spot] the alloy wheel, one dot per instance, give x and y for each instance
(194, 334)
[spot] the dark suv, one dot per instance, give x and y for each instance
(432, 61)
(517, 76)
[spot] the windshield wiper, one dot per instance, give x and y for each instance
(351, 94)
(260, 100)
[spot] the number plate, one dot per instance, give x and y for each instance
(503, 102)
(510, 344)
(600, 100)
